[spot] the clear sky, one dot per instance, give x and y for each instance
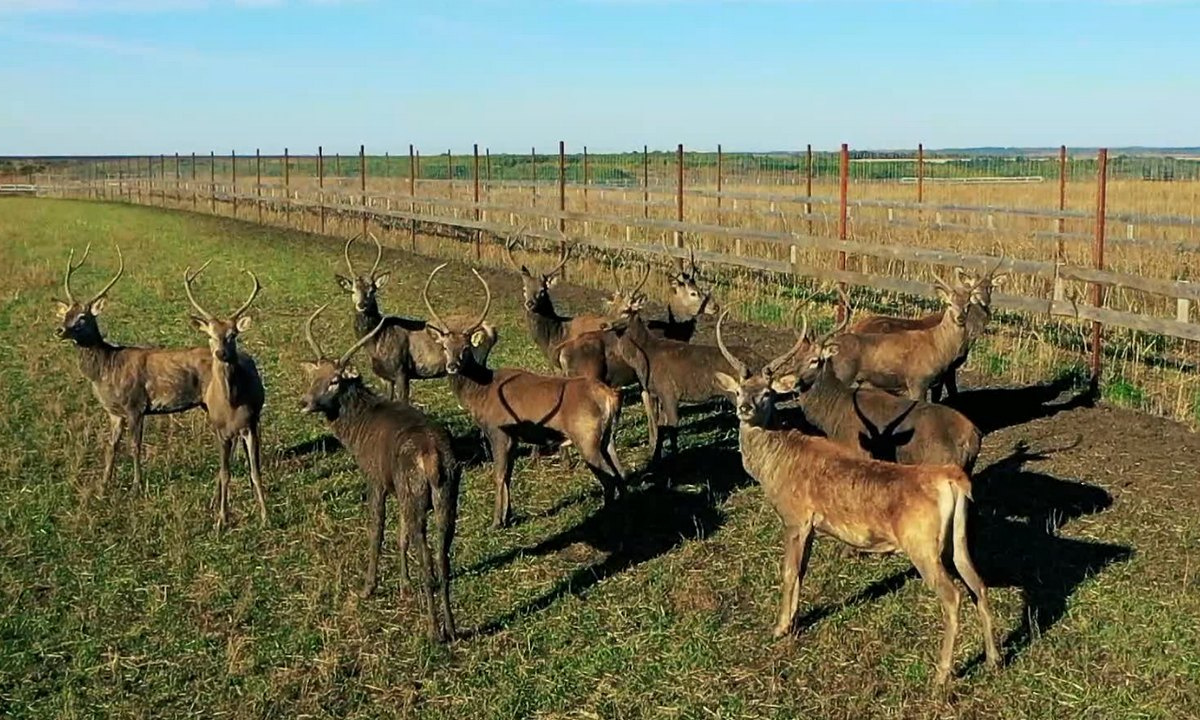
(150, 76)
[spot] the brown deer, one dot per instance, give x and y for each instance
(688, 301)
(876, 423)
(511, 405)
(129, 382)
(979, 313)
(816, 485)
(671, 372)
(402, 453)
(234, 394)
(907, 361)
(547, 328)
(403, 350)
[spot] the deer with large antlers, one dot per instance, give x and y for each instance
(403, 453)
(129, 382)
(907, 361)
(671, 372)
(512, 405)
(234, 394)
(547, 328)
(876, 423)
(686, 303)
(819, 487)
(979, 313)
(403, 350)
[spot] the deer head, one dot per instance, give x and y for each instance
(330, 379)
(457, 345)
(535, 286)
(810, 360)
(957, 300)
(980, 286)
(363, 287)
(626, 302)
(222, 332)
(753, 394)
(77, 319)
(688, 299)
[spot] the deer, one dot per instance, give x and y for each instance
(875, 423)
(687, 301)
(129, 382)
(511, 405)
(234, 394)
(402, 453)
(547, 328)
(906, 361)
(979, 287)
(403, 350)
(817, 486)
(671, 372)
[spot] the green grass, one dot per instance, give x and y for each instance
(125, 605)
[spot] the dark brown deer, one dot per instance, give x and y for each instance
(687, 301)
(874, 422)
(818, 486)
(907, 361)
(511, 405)
(403, 453)
(547, 328)
(671, 372)
(129, 382)
(234, 395)
(979, 313)
(404, 350)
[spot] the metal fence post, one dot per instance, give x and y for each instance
(258, 182)
(233, 180)
(212, 182)
(1098, 260)
(645, 181)
(586, 178)
(1060, 226)
(475, 197)
(920, 172)
(176, 177)
(679, 196)
(533, 174)
(412, 193)
(843, 218)
(321, 185)
(808, 175)
(720, 180)
(287, 188)
(449, 175)
(362, 183)
(562, 186)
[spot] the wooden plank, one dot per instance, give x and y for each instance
(1132, 321)
(1168, 288)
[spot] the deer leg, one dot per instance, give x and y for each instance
(929, 565)
(377, 500)
(403, 383)
(403, 537)
(979, 594)
(254, 457)
(445, 511)
(116, 428)
(225, 451)
(136, 426)
(797, 546)
(649, 403)
(590, 451)
(416, 522)
(950, 382)
(502, 465)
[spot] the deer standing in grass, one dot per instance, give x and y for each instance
(234, 394)
(512, 405)
(818, 486)
(547, 328)
(403, 350)
(979, 313)
(403, 453)
(874, 422)
(906, 361)
(129, 382)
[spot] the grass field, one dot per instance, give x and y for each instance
(125, 605)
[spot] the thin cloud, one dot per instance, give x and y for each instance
(100, 43)
(100, 7)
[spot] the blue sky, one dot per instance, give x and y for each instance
(143, 76)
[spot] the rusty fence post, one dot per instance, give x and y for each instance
(212, 182)
(920, 172)
(808, 177)
(645, 181)
(586, 178)
(194, 182)
(412, 193)
(475, 198)
(1098, 260)
(533, 174)
(258, 182)
(450, 176)
(177, 178)
(720, 180)
(321, 185)
(287, 188)
(362, 184)
(487, 166)
(562, 186)
(233, 180)
(843, 218)
(679, 196)
(1060, 225)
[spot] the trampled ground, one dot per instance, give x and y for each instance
(124, 605)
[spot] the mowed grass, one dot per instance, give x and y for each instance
(126, 605)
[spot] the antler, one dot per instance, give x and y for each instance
(991, 274)
(801, 338)
(253, 293)
(692, 260)
(566, 253)
(512, 241)
(362, 341)
(120, 270)
(440, 324)
(308, 333)
(346, 252)
(738, 366)
(487, 303)
(71, 268)
(642, 282)
(378, 253)
(188, 277)
(944, 285)
(845, 319)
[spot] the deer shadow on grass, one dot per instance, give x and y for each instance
(643, 524)
(993, 409)
(1016, 517)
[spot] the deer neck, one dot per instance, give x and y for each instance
(762, 452)
(680, 324)
(546, 325)
(366, 320)
(949, 336)
(827, 402)
(977, 320)
(471, 381)
(95, 357)
(347, 420)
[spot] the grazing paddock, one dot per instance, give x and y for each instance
(1086, 525)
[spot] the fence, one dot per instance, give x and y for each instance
(1110, 241)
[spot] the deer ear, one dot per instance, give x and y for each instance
(787, 383)
(552, 281)
(434, 330)
(727, 383)
(477, 338)
(998, 279)
(97, 306)
(60, 309)
(381, 280)
(344, 283)
(309, 368)
(244, 323)
(199, 323)
(349, 373)
(829, 351)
